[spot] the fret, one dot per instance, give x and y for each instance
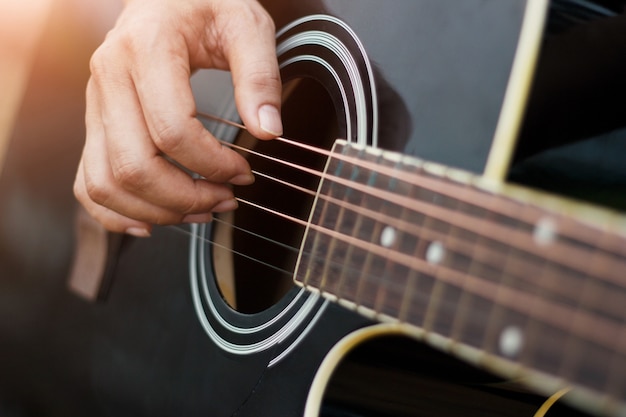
(594, 367)
(548, 347)
(376, 276)
(588, 296)
(507, 334)
(363, 285)
(418, 297)
(393, 276)
(472, 314)
(435, 286)
(444, 311)
(545, 344)
(473, 310)
(348, 257)
(315, 269)
(391, 297)
(333, 251)
(419, 285)
(585, 236)
(616, 378)
(512, 280)
(605, 300)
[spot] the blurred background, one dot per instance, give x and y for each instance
(45, 47)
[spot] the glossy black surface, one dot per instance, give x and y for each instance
(438, 66)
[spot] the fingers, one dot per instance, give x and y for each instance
(249, 46)
(169, 114)
(127, 179)
(113, 221)
(143, 139)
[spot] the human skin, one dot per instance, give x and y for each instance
(140, 114)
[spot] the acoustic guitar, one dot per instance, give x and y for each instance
(524, 285)
(381, 265)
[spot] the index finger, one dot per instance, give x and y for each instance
(249, 45)
(169, 111)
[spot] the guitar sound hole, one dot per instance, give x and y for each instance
(265, 245)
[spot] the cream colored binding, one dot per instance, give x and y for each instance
(517, 91)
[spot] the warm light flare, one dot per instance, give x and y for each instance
(21, 24)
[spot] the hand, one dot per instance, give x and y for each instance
(141, 113)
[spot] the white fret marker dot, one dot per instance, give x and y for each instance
(511, 341)
(435, 253)
(388, 237)
(545, 232)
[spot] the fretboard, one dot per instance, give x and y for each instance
(539, 287)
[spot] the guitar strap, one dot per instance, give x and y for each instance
(94, 257)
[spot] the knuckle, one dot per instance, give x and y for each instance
(97, 62)
(108, 59)
(131, 174)
(98, 192)
(79, 193)
(253, 14)
(263, 20)
(265, 77)
(201, 200)
(246, 19)
(168, 135)
(102, 57)
(192, 204)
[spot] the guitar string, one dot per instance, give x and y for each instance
(502, 206)
(326, 152)
(600, 333)
(293, 165)
(573, 257)
(213, 242)
(295, 250)
(457, 244)
(311, 193)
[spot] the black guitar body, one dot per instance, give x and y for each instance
(162, 363)
(149, 356)
(261, 357)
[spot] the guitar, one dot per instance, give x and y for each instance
(356, 279)
(526, 286)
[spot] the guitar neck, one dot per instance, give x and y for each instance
(413, 242)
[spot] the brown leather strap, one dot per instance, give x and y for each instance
(90, 256)
(95, 258)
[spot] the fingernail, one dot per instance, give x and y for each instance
(242, 179)
(198, 218)
(227, 205)
(138, 232)
(269, 120)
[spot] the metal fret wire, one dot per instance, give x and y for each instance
(505, 208)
